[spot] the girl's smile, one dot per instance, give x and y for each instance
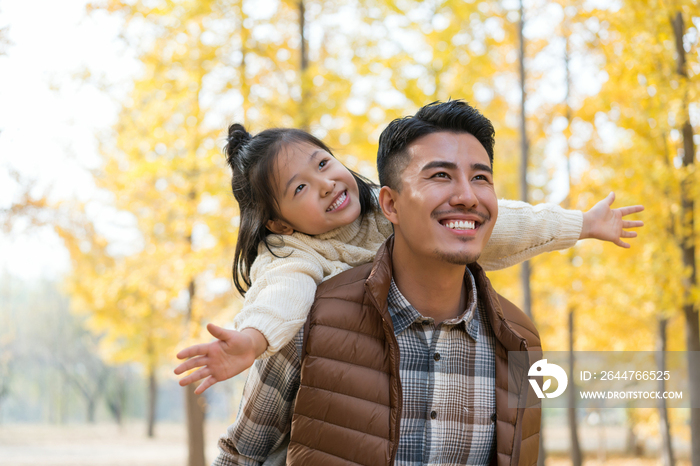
(315, 192)
(340, 202)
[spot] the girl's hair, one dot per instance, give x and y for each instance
(252, 160)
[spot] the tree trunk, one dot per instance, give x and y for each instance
(576, 458)
(304, 65)
(244, 86)
(195, 426)
(91, 405)
(63, 402)
(602, 447)
(664, 427)
(687, 240)
(5, 387)
(525, 266)
(542, 452)
(115, 407)
(116, 399)
(152, 400)
(194, 405)
(302, 36)
(632, 448)
(692, 342)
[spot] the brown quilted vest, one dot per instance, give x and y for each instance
(348, 408)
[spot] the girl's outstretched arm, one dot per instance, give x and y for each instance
(275, 308)
(523, 231)
(231, 353)
(606, 224)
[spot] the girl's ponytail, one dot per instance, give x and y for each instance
(237, 138)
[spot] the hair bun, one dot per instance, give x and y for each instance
(237, 138)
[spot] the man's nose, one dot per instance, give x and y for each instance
(464, 195)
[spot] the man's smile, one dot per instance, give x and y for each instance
(459, 224)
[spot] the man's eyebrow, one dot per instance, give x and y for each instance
(439, 164)
(481, 166)
(291, 180)
(453, 166)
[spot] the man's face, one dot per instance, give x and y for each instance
(447, 205)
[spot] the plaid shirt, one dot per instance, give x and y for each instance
(448, 379)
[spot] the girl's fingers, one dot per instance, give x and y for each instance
(632, 223)
(208, 382)
(195, 350)
(631, 209)
(216, 331)
(191, 364)
(195, 376)
(628, 234)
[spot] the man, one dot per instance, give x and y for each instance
(404, 360)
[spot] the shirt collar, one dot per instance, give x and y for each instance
(403, 314)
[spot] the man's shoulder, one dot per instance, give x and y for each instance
(352, 280)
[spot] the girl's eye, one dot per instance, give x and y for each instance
(299, 188)
(323, 163)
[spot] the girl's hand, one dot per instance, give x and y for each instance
(606, 224)
(232, 353)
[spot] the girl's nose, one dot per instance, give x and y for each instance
(327, 187)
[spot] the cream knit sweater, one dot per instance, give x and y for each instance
(284, 284)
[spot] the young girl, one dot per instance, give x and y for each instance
(304, 217)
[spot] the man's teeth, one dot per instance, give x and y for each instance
(460, 225)
(337, 203)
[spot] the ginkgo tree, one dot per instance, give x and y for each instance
(655, 66)
(633, 137)
(343, 70)
(163, 165)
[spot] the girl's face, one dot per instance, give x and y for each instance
(315, 192)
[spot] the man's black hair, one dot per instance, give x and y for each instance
(454, 116)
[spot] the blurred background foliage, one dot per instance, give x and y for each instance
(611, 92)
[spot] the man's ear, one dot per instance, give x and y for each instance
(280, 227)
(387, 202)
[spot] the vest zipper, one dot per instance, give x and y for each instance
(394, 346)
(515, 457)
